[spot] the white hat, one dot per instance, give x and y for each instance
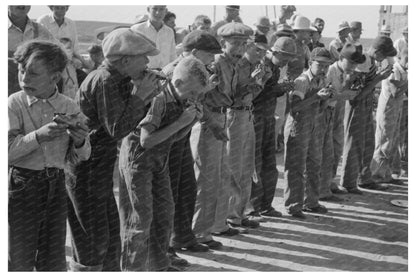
(302, 23)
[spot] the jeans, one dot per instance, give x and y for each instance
(37, 220)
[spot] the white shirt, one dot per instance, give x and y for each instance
(165, 42)
(66, 30)
(400, 44)
(333, 48)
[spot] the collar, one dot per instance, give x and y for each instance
(53, 21)
(149, 25)
(309, 74)
(339, 68)
(29, 24)
(53, 100)
(170, 89)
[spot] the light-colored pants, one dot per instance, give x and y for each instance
(212, 177)
(388, 118)
(241, 150)
(338, 137)
(279, 113)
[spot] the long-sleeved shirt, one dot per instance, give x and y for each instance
(296, 66)
(16, 36)
(68, 29)
(26, 115)
(336, 76)
(334, 48)
(165, 42)
(243, 97)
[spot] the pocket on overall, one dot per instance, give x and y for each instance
(18, 181)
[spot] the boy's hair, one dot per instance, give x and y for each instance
(95, 49)
(51, 54)
(168, 16)
(201, 20)
(191, 67)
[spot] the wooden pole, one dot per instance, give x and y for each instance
(215, 13)
(267, 11)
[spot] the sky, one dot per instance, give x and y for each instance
(333, 15)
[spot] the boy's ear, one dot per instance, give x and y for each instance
(56, 77)
(177, 83)
(222, 42)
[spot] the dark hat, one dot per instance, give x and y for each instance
(353, 52)
(320, 54)
(261, 41)
(201, 40)
(384, 44)
(284, 30)
(343, 25)
(232, 7)
(235, 29)
(288, 8)
(285, 45)
(355, 25)
(125, 42)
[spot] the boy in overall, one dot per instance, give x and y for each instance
(340, 76)
(38, 148)
(388, 117)
(209, 153)
(113, 98)
(252, 76)
(303, 136)
(146, 204)
(358, 122)
(265, 181)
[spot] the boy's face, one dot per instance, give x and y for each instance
(315, 36)
(189, 88)
(404, 58)
(19, 11)
(134, 66)
(347, 65)
(280, 59)
(234, 47)
(320, 25)
(203, 27)
(157, 13)
(254, 53)
(171, 22)
(263, 29)
(232, 13)
(319, 69)
(35, 79)
(97, 57)
(59, 11)
(205, 57)
(379, 56)
(343, 34)
(356, 33)
(303, 35)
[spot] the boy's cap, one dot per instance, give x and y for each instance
(263, 21)
(261, 41)
(201, 40)
(302, 23)
(353, 52)
(235, 29)
(284, 30)
(343, 26)
(321, 54)
(384, 44)
(385, 29)
(356, 25)
(125, 42)
(285, 45)
(231, 7)
(288, 8)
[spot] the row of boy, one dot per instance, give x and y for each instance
(227, 147)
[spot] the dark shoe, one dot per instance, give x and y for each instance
(339, 190)
(396, 182)
(331, 198)
(298, 214)
(176, 261)
(229, 233)
(173, 268)
(374, 186)
(249, 223)
(256, 217)
(197, 247)
(213, 244)
(271, 213)
(354, 191)
(320, 209)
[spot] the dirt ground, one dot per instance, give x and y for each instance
(363, 233)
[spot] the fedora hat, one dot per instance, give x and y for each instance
(343, 26)
(302, 23)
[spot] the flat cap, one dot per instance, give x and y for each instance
(284, 30)
(201, 40)
(285, 45)
(384, 44)
(231, 7)
(321, 54)
(355, 25)
(235, 29)
(125, 42)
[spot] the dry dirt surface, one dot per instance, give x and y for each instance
(362, 233)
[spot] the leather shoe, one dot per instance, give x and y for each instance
(249, 223)
(320, 209)
(298, 214)
(339, 190)
(197, 247)
(271, 213)
(213, 244)
(228, 233)
(256, 217)
(374, 186)
(176, 261)
(331, 198)
(354, 191)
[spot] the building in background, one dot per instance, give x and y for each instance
(394, 16)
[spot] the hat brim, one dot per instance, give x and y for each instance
(322, 60)
(153, 52)
(264, 26)
(391, 52)
(345, 28)
(304, 29)
(283, 52)
(262, 46)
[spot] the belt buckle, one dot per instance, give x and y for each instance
(223, 110)
(50, 171)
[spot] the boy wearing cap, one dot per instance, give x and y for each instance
(203, 46)
(341, 77)
(155, 29)
(113, 98)
(303, 136)
(356, 31)
(336, 44)
(388, 117)
(209, 153)
(266, 174)
(39, 150)
(251, 78)
(359, 127)
(146, 203)
(302, 30)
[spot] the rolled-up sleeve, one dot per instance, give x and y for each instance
(155, 113)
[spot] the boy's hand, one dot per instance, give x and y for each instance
(146, 87)
(79, 134)
(325, 93)
(50, 131)
(188, 115)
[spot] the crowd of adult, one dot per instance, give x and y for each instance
(195, 117)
